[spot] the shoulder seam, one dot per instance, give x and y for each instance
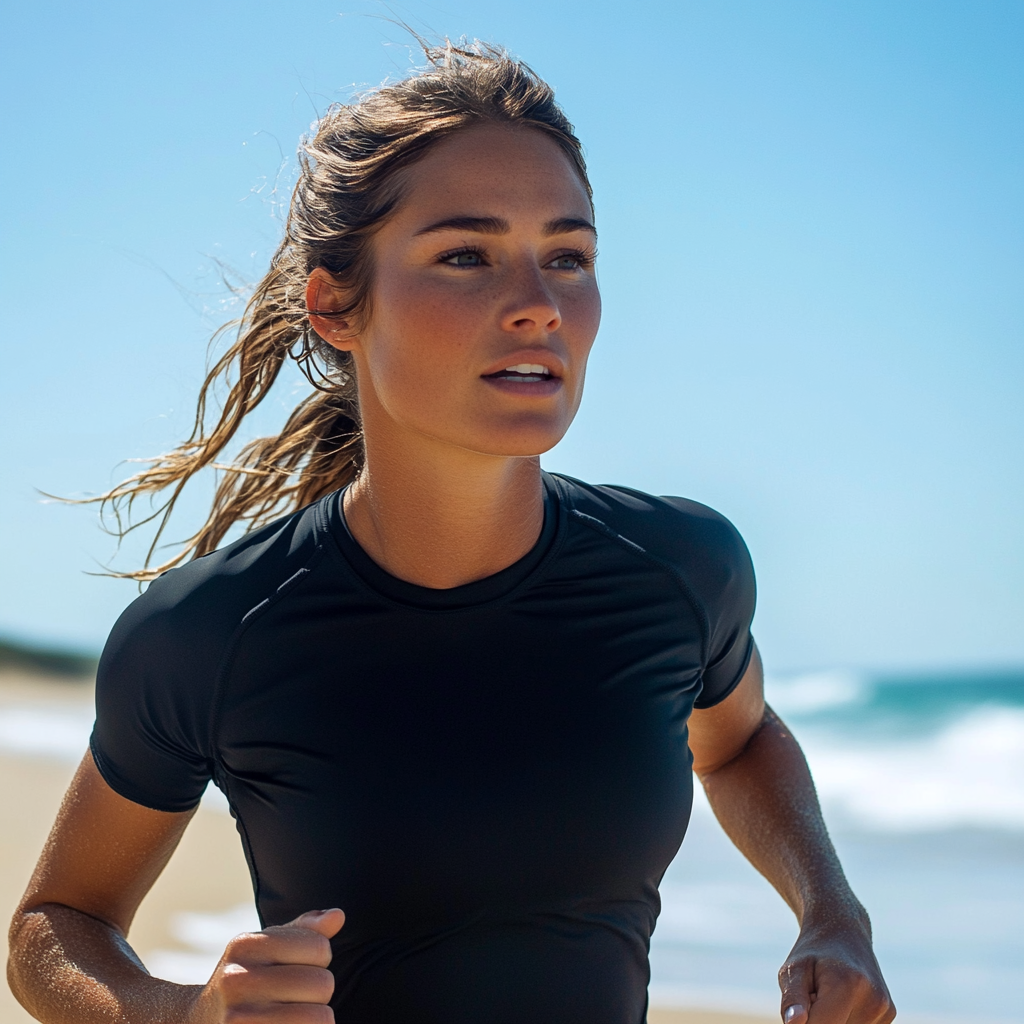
(231, 647)
(599, 526)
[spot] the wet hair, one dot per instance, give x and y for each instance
(349, 182)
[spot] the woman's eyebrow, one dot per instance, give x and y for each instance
(483, 225)
(563, 225)
(500, 226)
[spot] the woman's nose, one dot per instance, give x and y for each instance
(533, 307)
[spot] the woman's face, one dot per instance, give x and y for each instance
(484, 302)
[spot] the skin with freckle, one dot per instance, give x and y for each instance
(441, 325)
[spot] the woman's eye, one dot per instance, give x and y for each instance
(464, 259)
(571, 261)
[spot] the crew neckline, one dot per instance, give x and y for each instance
(482, 591)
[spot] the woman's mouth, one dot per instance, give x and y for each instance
(523, 373)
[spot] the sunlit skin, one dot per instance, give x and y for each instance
(450, 492)
(487, 263)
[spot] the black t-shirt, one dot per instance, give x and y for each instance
(490, 780)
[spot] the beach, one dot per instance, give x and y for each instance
(207, 873)
(203, 897)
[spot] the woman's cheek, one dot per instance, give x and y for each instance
(414, 378)
(584, 309)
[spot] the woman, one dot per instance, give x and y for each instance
(450, 694)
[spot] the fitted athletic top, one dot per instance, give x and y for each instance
(490, 780)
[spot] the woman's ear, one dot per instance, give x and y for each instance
(325, 295)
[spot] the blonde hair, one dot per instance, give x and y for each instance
(348, 185)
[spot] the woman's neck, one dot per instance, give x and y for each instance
(442, 517)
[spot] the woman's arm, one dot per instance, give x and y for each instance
(760, 789)
(71, 964)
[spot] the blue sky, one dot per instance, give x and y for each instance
(811, 237)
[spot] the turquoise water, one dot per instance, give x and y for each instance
(922, 781)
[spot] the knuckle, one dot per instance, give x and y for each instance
(236, 985)
(316, 981)
(322, 952)
(861, 985)
(241, 944)
(884, 1010)
(792, 972)
(325, 982)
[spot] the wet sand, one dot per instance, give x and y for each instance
(206, 874)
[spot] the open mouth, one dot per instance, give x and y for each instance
(522, 373)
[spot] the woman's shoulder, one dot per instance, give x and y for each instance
(678, 530)
(700, 548)
(189, 613)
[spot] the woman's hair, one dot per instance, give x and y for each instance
(349, 182)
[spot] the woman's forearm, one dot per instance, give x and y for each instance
(66, 967)
(765, 800)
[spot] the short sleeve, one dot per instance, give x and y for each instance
(152, 707)
(721, 573)
(706, 553)
(730, 610)
(157, 680)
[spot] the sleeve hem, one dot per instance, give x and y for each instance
(701, 705)
(118, 785)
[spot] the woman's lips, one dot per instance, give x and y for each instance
(524, 384)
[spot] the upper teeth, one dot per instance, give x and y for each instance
(526, 368)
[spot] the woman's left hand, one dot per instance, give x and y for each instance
(831, 976)
(760, 789)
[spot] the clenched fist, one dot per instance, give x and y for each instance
(276, 976)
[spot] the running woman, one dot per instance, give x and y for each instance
(455, 702)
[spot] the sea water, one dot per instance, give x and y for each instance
(922, 782)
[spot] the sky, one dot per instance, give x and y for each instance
(810, 220)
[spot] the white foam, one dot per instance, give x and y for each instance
(813, 691)
(181, 968)
(210, 933)
(61, 734)
(969, 774)
(58, 733)
(730, 914)
(205, 935)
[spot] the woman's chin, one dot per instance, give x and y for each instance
(510, 447)
(521, 440)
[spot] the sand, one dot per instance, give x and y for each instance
(207, 873)
(660, 1015)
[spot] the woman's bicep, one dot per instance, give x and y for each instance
(104, 852)
(720, 733)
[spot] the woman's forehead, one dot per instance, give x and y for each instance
(513, 174)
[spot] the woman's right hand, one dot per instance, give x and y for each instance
(70, 962)
(276, 976)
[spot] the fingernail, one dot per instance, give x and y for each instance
(792, 1012)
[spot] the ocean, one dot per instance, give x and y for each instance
(921, 778)
(922, 782)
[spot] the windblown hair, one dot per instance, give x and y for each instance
(349, 183)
